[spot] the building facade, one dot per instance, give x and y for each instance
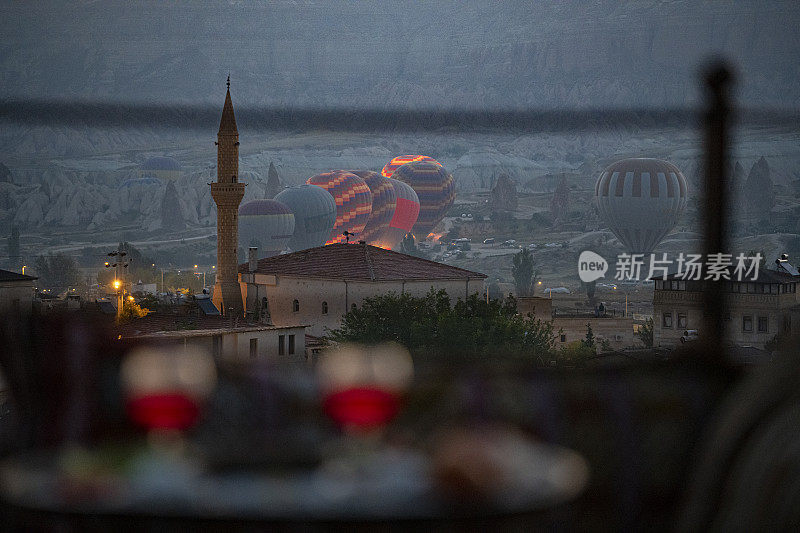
(570, 327)
(227, 193)
(319, 285)
(229, 340)
(16, 292)
(756, 311)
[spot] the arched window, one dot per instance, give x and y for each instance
(324, 308)
(295, 306)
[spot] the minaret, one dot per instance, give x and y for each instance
(227, 193)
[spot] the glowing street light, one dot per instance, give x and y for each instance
(117, 284)
(23, 269)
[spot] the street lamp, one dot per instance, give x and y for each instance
(23, 269)
(626, 301)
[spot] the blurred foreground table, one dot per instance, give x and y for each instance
(381, 486)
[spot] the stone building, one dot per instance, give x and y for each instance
(319, 285)
(569, 327)
(229, 339)
(16, 292)
(227, 193)
(756, 311)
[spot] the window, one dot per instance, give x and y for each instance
(354, 307)
(659, 284)
(291, 344)
(253, 348)
(774, 288)
(666, 320)
(787, 323)
(563, 338)
(281, 344)
(682, 320)
(747, 323)
(324, 308)
(763, 324)
(735, 286)
(296, 306)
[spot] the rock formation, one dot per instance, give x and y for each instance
(504, 195)
(759, 196)
(273, 182)
(559, 205)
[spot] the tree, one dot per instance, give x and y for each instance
(13, 248)
(57, 272)
(589, 340)
(131, 311)
(575, 353)
(430, 326)
(524, 275)
(590, 290)
(645, 333)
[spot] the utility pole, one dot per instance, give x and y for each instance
(119, 265)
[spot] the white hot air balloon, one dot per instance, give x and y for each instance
(641, 201)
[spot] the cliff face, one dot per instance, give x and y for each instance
(386, 54)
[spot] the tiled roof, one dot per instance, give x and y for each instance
(358, 262)
(7, 275)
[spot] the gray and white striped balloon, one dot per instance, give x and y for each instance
(641, 201)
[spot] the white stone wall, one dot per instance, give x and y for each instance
(340, 295)
(235, 345)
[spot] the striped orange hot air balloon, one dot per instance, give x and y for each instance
(400, 160)
(405, 215)
(436, 190)
(353, 202)
(384, 201)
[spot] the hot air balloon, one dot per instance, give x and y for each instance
(384, 201)
(266, 224)
(400, 160)
(314, 215)
(436, 190)
(641, 201)
(404, 217)
(353, 202)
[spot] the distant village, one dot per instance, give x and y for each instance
(293, 262)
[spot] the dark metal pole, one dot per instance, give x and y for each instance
(718, 80)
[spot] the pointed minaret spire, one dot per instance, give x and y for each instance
(228, 83)
(227, 193)
(227, 124)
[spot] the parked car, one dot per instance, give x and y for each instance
(490, 240)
